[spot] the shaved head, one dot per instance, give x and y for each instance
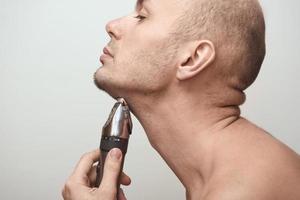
(163, 36)
(237, 29)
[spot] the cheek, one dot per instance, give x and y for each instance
(145, 64)
(150, 70)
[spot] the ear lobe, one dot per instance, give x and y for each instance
(198, 59)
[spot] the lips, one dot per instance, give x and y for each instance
(106, 55)
(107, 51)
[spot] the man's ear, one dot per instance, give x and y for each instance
(196, 59)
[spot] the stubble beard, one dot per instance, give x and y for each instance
(105, 85)
(98, 85)
(147, 57)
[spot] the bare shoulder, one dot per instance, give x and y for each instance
(271, 183)
(272, 191)
(261, 168)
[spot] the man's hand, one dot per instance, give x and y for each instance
(80, 184)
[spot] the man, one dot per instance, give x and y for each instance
(182, 65)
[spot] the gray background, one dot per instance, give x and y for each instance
(51, 113)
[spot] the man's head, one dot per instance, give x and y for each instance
(167, 42)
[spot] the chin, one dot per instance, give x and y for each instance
(107, 83)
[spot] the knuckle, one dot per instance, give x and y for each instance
(88, 155)
(106, 190)
(63, 191)
(68, 185)
(66, 191)
(85, 156)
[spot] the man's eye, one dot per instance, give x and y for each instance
(140, 17)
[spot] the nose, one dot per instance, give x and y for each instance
(113, 29)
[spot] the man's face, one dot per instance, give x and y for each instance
(143, 53)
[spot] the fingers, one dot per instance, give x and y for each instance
(111, 171)
(92, 176)
(124, 179)
(86, 161)
(84, 166)
(121, 195)
(80, 183)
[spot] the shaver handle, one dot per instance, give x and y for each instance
(108, 143)
(100, 168)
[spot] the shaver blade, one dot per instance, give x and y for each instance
(119, 123)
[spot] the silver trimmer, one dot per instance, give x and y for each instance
(115, 134)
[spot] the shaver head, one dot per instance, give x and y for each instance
(119, 122)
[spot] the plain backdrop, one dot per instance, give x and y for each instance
(51, 112)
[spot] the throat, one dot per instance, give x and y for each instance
(187, 145)
(184, 131)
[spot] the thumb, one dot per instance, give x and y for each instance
(111, 172)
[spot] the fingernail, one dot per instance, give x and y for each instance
(115, 154)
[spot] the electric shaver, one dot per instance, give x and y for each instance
(115, 134)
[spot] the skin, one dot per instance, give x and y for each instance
(174, 94)
(80, 184)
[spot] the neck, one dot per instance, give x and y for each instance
(183, 129)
